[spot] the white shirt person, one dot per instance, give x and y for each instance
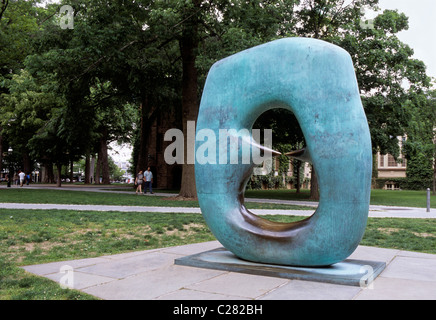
(148, 178)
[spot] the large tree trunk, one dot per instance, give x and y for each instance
(92, 169)
(188, 46)
(71, 171)
(1, 151)
(434, 177)
(47, 175)
(27, 162)
(59, 179)
(298, 187)
(314, 187)
(148, 116)
(143, 137)
(97, 170)
(87, 168)
(103, 158)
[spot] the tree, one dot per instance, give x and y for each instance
(386, 72)
(50, 146)
(87, 62)
(25, 110)
(419, 147)
(113, 122)
(206, 25)
(382, 62)
(19, 20)
(326, 19)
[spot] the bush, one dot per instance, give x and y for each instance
(269, 181)
(404, 183)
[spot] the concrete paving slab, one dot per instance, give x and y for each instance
(152, 284)
(398, 289)
(308, 290)
(55, 267)
(189, 294)
(375, 254)
(78, 280)
(412, 268)
(153, 275)
(137, 264)
(244, 286)
(192, 248)
(416, 255)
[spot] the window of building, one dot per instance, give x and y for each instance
(382, 160)
(403, 163)
(391, 161)
(392, 186)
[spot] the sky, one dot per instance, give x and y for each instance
(421, 36)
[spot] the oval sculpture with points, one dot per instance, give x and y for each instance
(317, 82)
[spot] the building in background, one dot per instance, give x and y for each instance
(388, 167)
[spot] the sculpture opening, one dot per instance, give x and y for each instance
(286, 173)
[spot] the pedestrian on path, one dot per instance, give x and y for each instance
(148, 176)
(138, 182)
(22, 175)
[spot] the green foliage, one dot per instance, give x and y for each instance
(409, 183)
(27, 107)
(419, 147)
(26, 112)
(18, 22)
(383, 64)
(270, 182)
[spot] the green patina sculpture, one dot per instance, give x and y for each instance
(317, 82)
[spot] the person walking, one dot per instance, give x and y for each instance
(148, 176)
(22, 175)
(138, 182)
